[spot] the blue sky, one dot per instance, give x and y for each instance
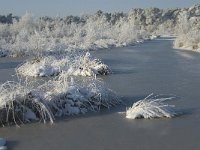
(77, 7)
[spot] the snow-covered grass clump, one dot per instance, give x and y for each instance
(75, 64)
(85, 65)
(80, 96)
(19, 104)
(55, 98)
(151, 107)
(2, 144)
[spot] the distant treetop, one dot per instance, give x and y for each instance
(8, 19)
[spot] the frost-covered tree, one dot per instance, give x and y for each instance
(30, 35)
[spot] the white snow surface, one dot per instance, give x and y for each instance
(151, 107)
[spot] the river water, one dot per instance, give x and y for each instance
(151, 67)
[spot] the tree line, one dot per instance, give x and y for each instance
(8, 19)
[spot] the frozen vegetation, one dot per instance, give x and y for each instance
(76, 64)
(189, 30)
(33, 37)
(30, 35)
(151, 107)
(188, 41)
(20, 102)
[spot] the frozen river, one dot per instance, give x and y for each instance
(151, 67)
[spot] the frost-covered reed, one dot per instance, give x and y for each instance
(21, 103)
(77, 64)
(151, 107)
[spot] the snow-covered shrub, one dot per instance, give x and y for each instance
(166, 29)
(67, 96)
(59, 97)
(47, 66)
(77, 64)
(85, 65)
(32, 36)
(188, 29)
(190, 40)
(189, 34)
(151, 107)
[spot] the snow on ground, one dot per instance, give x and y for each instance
(62, 96)
(77, 64)
(151, 107)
